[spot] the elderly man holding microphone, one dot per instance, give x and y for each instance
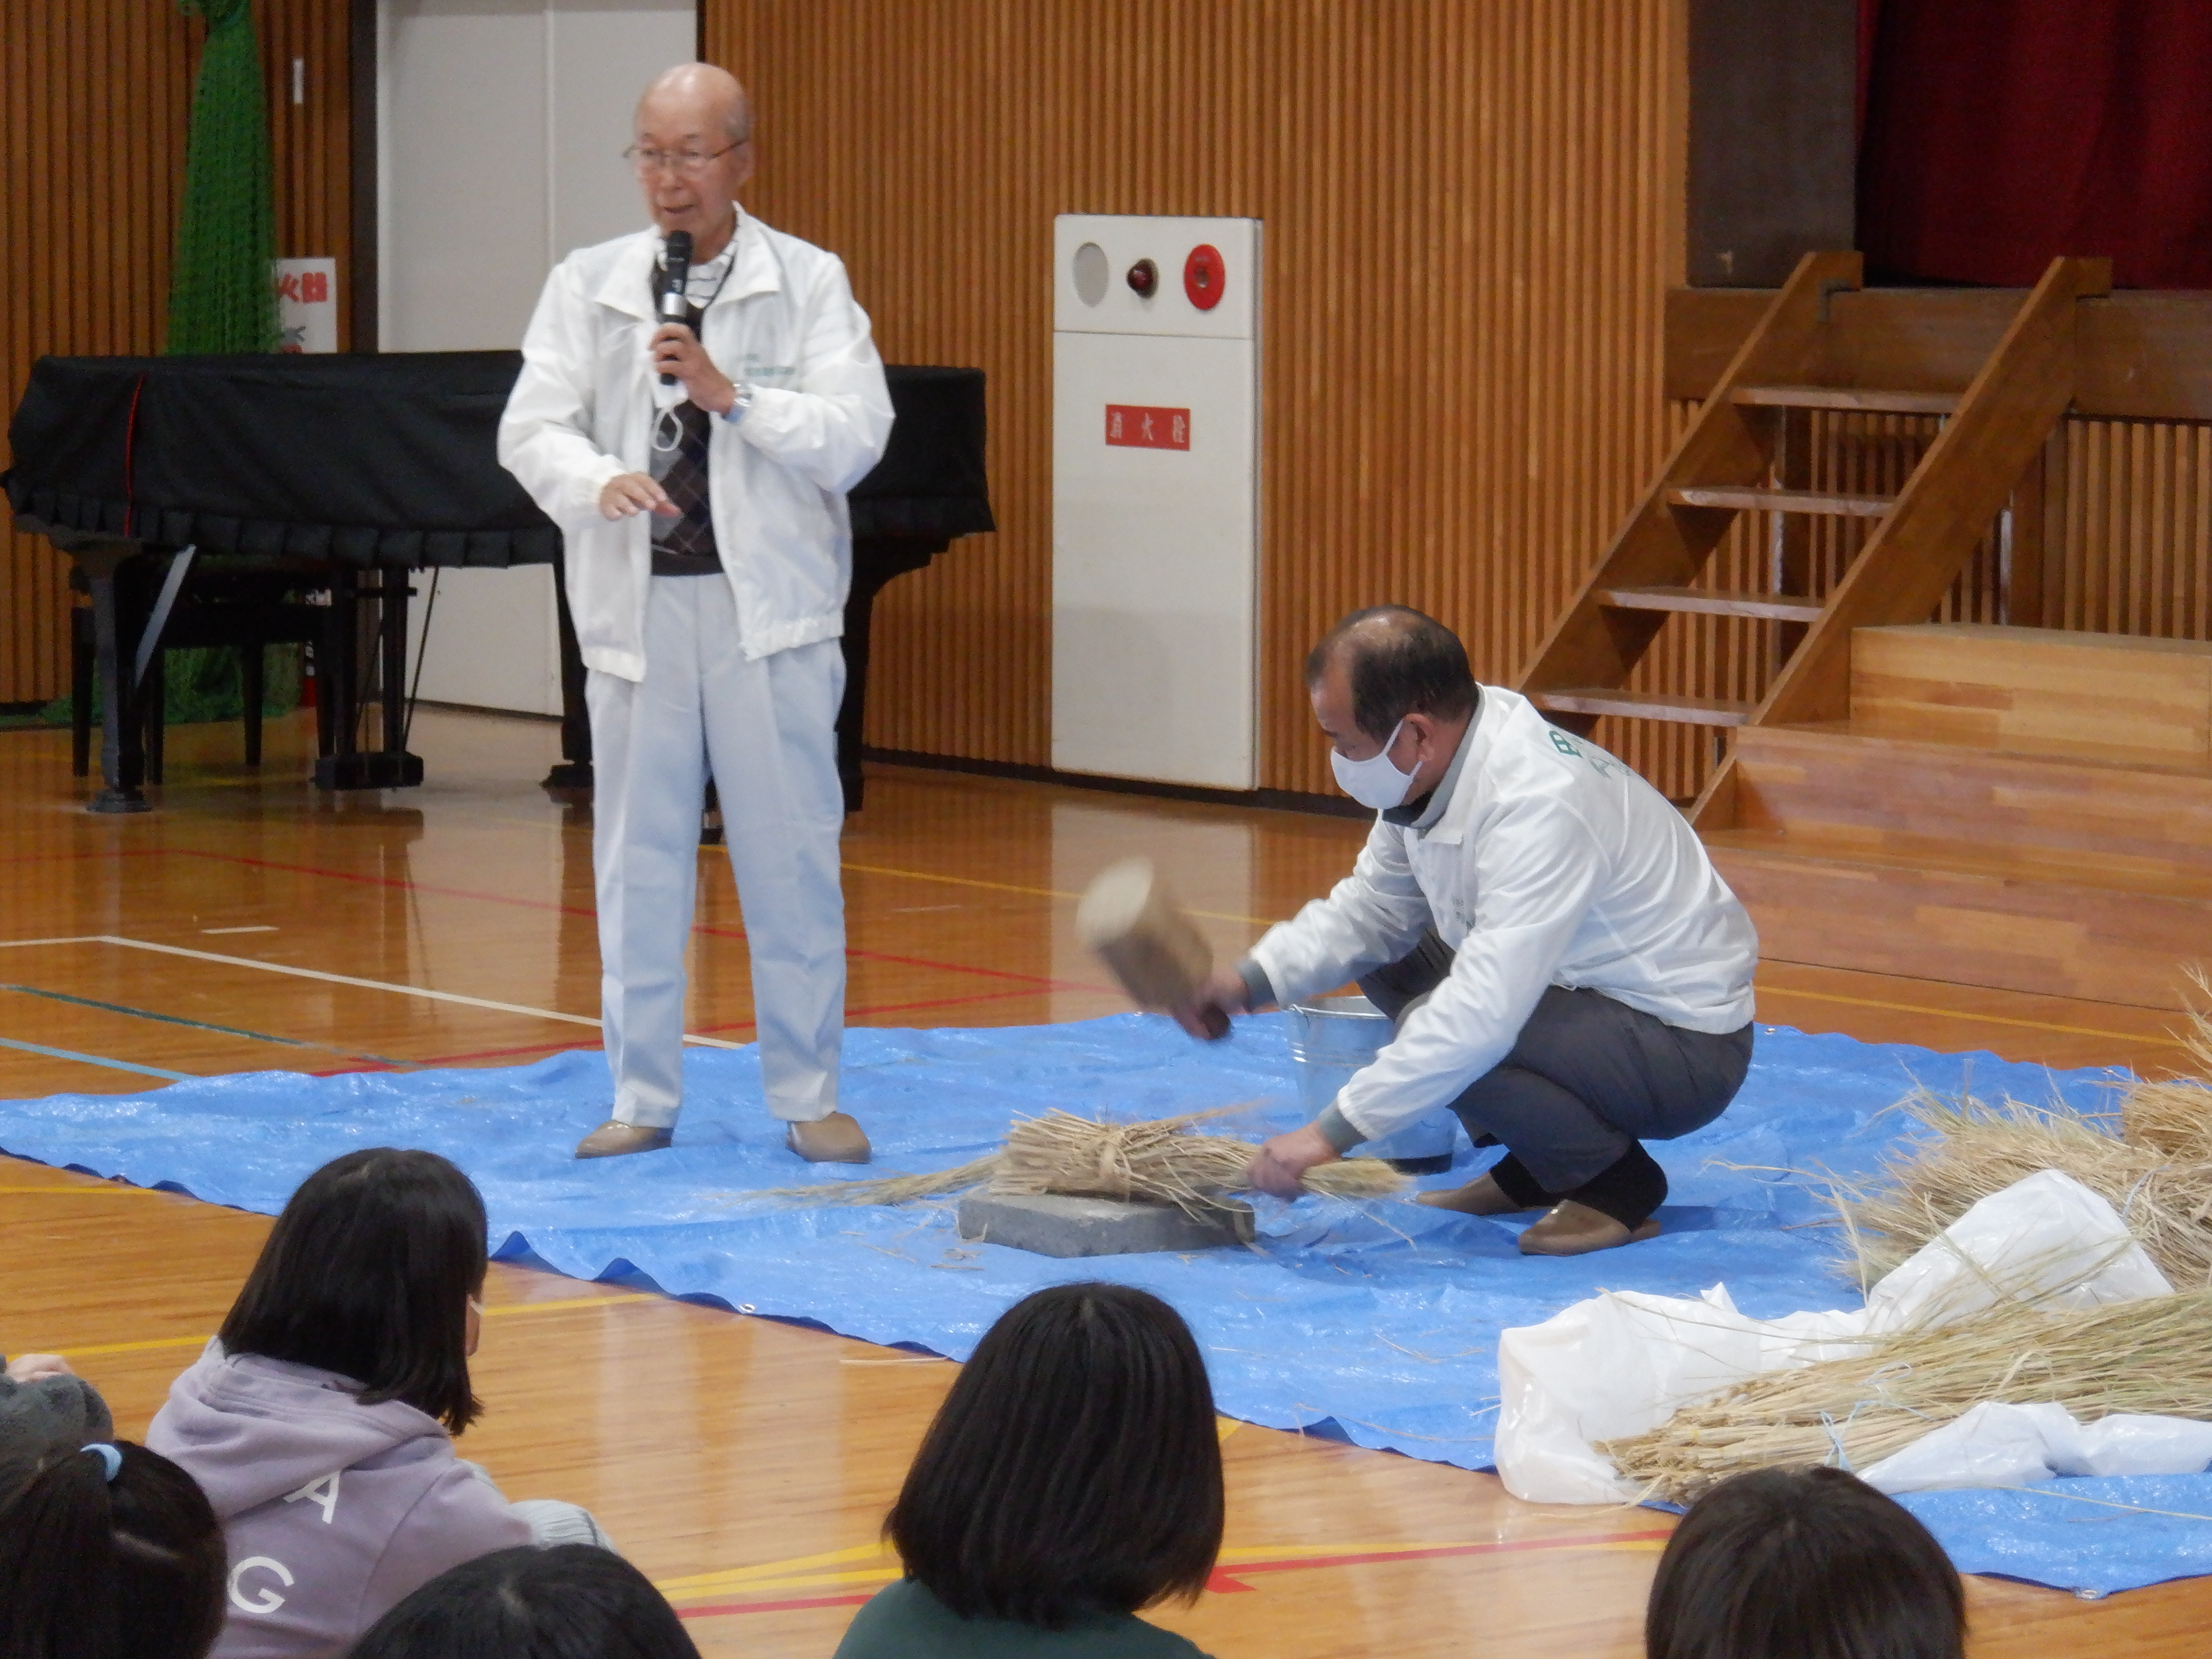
(1567, 971)
(695, 402)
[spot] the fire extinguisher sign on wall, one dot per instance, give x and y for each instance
(1138, 426)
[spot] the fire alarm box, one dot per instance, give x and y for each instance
(1155, 497)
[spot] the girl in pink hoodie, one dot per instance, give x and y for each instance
(320, 1420)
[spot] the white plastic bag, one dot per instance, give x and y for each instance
(1996, 1444)
(2046, 1242)
(1620, 1363)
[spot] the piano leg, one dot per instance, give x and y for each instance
(122, 763)
(852, 712)
(876, 560)
(575, 770)
(346, 765)
(397, 768)
(85, 656)
(251, 667)
(153, 713)
(337, 706)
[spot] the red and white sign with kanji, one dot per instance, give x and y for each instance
(1141, 426)
(306, 303)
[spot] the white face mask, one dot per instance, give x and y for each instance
(1373, 782)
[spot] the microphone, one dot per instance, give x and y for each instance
(674, 306)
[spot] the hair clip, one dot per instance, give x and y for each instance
(109, 1456)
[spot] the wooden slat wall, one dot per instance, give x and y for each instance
(94, 101)
(2135, 555)
(1471, 222)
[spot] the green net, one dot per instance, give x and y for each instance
(202, 684)
(219, 295)
(221, 298)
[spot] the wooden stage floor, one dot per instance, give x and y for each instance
(746, 1465)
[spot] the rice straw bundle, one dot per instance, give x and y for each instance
(1979, 1149)
(2156, 1172)
(1159, 1159)
(2152, 1356)
(2174, 1115)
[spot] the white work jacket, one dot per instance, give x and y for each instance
(1552, 863)
(583, 410)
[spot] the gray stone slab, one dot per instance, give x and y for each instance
(1054, 1224)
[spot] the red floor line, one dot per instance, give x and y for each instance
(886, 1008)
(774, 1606)
(725, 1025)
(410, 885)
(498, 1053)
(939, 1002)
(1230, 1571)
(1503, 1546)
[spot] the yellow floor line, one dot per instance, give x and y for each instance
(1032, 892)
(102, 1190)
(150, 1343)
(1957, 1013)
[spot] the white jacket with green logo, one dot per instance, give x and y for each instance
(1552, 863)
(583, 409)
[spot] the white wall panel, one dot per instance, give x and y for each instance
(501, 126)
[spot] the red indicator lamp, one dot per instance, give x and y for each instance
(1205, 277)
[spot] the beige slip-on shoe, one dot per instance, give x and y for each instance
(1571, 1229)
(615, 1138)
(837, 1138)
(1480, 1196)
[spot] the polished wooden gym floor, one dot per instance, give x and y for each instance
(251, 924)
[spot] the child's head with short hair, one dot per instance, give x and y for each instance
(572, 1602)
(371, 1272)
(107, 1552)
(1803, 1564)
(1073, 1469)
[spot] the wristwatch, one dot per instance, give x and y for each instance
(741, 403)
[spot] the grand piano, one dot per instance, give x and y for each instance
(290, 497)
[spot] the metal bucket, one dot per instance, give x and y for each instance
(1332, 1037)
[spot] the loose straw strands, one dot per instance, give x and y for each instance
(885, 1190)
(1976, 1149)
(1160, 1160)
(2156, 1172)
(2152, 1356)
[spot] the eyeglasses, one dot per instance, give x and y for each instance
(684, 163)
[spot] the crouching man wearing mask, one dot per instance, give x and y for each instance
(1565, 969)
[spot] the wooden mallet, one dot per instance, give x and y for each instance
(1131, 921)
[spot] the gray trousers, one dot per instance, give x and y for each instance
(1587, 1078)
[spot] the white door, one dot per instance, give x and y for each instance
(500, 125)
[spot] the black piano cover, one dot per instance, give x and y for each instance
(383, 458)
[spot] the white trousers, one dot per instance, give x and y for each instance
(768, 729)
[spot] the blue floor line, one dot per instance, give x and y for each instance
(96, 1060)
(194, 1024)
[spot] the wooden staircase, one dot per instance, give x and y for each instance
(2020, 808)
(1744, 452)
(2015, 807)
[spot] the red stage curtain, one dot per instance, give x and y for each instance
(1999, 134)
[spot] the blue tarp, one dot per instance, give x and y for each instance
(1376, 1323)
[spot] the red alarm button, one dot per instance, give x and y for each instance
(1204, 276)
